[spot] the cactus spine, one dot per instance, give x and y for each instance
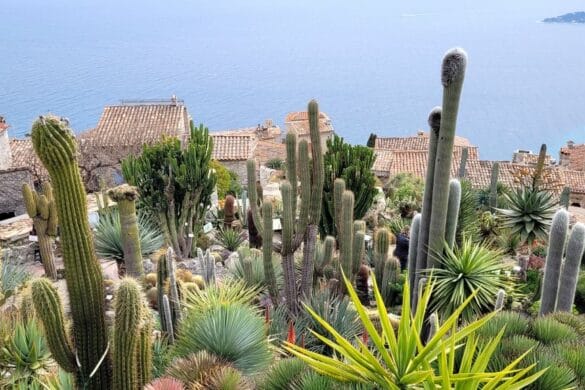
(554, 258)
(127, 324)
(453, 212)
(43, 211)
(412, 250)
(434, 121)
(452, 76)
(126, 196)
(494, 185)
(570, 272)
(50, 311)
(54, 144)
(463, 162)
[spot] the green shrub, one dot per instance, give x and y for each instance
(108, 235)
(223, 178)
(276, 163)
(405, 192)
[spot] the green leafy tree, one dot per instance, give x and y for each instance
(405, 193)
(353, 164)
(175, 183)
(223, 178)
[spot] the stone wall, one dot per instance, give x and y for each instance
(239, 167)
(577, 199)
(11, 200)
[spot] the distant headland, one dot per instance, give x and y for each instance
(573, 17)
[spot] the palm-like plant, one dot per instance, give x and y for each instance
(464, 270)
(529, 214)
(108, 235)
(400, 360)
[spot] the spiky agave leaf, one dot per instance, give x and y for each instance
(549, 331)
(227, 292)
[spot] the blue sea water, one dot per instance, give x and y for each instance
(373, 65)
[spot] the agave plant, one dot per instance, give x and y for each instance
(11, 278)
(464, 270)
(529, 214)
(229, 238)
(108, 235)
(401, 359)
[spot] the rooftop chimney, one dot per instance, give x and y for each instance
(420, 133)
(570, 144)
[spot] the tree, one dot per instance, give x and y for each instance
(353, 164)
(175, 183)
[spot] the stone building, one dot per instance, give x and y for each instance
(232, 150)
(299, 122)
(5, 152)
(572, 156)
(526, 157)
(123, 129)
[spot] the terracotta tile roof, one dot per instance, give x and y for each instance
(389, 163)
(268, 150)
(299, 122)
(24, 157)
(383, 162)
(233, 147)
(575, 180)
(421, 142)
(137, 124)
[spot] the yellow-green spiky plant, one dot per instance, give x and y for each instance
(126, 196)
(54, 144)
(41, 207)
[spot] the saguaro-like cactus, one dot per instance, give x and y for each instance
(453, 212)
(554, 259)
(43, 211)
(54, 144)
(128, 307)
(126, 196)
(570, 271)
(452, 76)
(494, 185)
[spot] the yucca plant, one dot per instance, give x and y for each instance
(401, 359)
(466, 269)
(234, 332)
(229, 291)
(108, 235)
(529, 214)
(11, 278)
(229, 238)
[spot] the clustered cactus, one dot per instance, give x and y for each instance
(561, 276)
(41, 207)
(168, 294)
(86, 352)
(386, 268)
(207, 263)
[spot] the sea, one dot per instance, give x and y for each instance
(373, 65)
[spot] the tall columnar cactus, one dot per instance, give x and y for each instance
(50, 311)
(412, 250)
(166, 270)
(463, 163)
(207, 263)
(167, 318)
(127, 324)
(434, 121)
(390, 277)
(452, 76)
(536, 179)
(269, 274)
(43, 211)
(145, 349)
(571, 267)
(358, 249)
(381, 248)
(346, 238)
(565, 197)
(229, 211)
(161, 277)
(173, 290)
(323, 258)
(244, 212)
(500, 299)
(54, 144)
(494, 185)
(304, 230)
(453, 212)
(554, 259)
(126, 196)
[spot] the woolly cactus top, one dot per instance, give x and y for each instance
(123, 192)
(53, 141)
(453, 68)
(435, 119)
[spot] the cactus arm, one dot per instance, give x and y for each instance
(453, 212)
(173, 290)
(359, 229)
(56, 148)
(554, 258)
(347, 233)
(412, 249)
(571, 267)
(453, 74)
(565, 197)
(269, 275)
(434, 121)
(338, 189)
(305, 173)
(291, 165)
(318, 168)
(381, 247)
(50, 311)
(287, 252)
(128, 308)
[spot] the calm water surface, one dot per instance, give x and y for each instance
(374, 66)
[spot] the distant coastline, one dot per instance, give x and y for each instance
(573, 17)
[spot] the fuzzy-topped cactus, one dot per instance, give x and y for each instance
(126, 196)
(54, 144)
(41, 207)
(229, 211)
